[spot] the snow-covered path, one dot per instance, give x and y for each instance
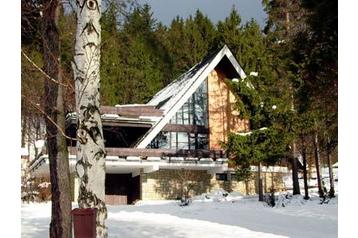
(242, 218)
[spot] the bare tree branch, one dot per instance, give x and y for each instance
(36, 106)
(43, 72)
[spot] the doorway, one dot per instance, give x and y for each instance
(122, 189)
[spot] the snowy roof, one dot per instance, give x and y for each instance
(110, 118)
(165, 97)
(169, 95)
(172, 97)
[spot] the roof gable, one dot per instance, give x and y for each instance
(171, 98)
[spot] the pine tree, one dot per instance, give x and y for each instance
(230, 33)
(112, 60)
(285, 21)
(177, 46)
(266, 143)
(143, 74)
(316, 62)
(188, 41)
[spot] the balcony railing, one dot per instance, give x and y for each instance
(144, 153)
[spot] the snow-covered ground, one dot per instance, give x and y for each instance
(211, 215)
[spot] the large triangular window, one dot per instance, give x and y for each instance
(190, 123)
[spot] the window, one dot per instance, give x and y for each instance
(193, 112)
(221, 177)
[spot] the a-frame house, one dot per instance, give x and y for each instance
(152, 148)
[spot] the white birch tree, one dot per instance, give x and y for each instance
(90, 167)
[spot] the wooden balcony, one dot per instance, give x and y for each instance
(145, 153)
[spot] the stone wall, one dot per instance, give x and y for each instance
(169, 184)
(270, 180)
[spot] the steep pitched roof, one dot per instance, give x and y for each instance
(164, 99)
(171, 98)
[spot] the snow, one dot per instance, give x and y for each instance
(24, 151)
(44, 185)
(39, 143)
(250, 132)
(312, 182)
(131, 105)
(215, 214)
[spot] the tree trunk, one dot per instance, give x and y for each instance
(23, 129)
(60, 225)
(317, 163)
(261, 193)
(304, 158)
(90, 167)
(295, 183)
(330, 170)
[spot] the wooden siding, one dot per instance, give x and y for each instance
(223, 118)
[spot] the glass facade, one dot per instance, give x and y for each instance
(194, 112)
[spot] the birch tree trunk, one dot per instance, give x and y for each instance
(90, 167)
(60, 226)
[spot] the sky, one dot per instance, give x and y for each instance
(165, 10)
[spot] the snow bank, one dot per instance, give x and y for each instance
(219, 195)
(285, 200)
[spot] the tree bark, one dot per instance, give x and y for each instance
(261, 193)
(317, 163)
(295, 183)
(330, 170)
(304, 158)
(60, 225)
(90, 167)
(23, 129)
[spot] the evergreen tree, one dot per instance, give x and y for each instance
(230, 33)
(112, 65)
(189, 41)
(266, 143)
(285, 20)
(143, 74)
(199, 33)
(316, 57)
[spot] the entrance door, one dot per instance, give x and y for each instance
(121, 189)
